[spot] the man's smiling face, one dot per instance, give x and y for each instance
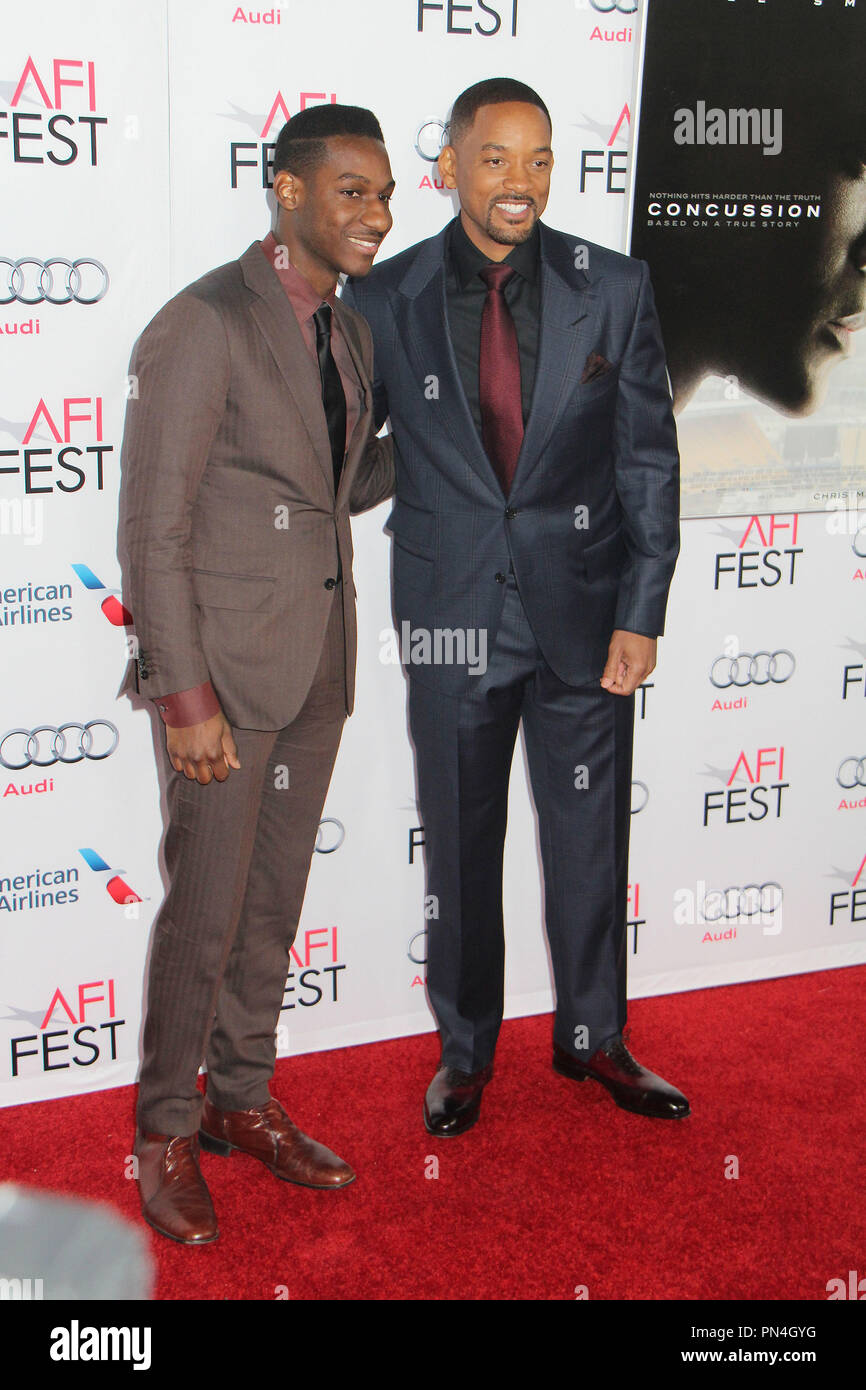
(501, 169)
(342, 213)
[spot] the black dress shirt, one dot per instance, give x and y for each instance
(465, 293)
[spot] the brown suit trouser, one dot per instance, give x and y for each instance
(238, 855)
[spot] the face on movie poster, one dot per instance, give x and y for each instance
(749, 203)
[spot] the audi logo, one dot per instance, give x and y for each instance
(32, 286)
(856, 772)
(753, 900)
(860, 541)
(430, 138)
(639, 794)
(418, 959)
(327, 840)
(746, 669)
(607, 6)
(65, 743)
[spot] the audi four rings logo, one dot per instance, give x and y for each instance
(418, 959)
(852, 773)
(65, 743)
(746, 669)
(639, 796)
(858, 545)
(31, 281)
(606, 6)
(330, 835)
(752, 900)
(430, 138)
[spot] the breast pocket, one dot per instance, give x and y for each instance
(591, 391)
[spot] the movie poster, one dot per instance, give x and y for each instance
(749, 203)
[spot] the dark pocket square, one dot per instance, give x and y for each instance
(596, 366)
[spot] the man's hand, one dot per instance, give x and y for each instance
(630, 659)
(203, 751)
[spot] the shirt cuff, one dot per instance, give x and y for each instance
(187, 707)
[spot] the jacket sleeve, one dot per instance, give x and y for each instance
(647, 472)
(180, 368)
(375, 478)
(355, 294)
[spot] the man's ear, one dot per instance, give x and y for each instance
(447, 162)
(288, 189)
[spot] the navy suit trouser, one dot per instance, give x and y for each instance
(579, 749)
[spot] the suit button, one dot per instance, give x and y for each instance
(330, 583)
(510, 513)
(499, 577)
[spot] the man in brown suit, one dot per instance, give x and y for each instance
(246, 449)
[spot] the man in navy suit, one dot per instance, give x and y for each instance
(535, 537)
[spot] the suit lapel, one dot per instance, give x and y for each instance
(568, 326)
(279, 327)
(422, 321)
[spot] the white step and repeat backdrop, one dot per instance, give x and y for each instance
(134, 145)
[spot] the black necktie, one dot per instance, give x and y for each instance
(333, 396)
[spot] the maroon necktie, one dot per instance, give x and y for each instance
(499, 378)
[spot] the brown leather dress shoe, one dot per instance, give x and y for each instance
(631, 1085)
(453, 1100)
(174, 1196)
(266, 1132)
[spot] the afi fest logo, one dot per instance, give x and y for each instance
(603, 160)
(633, 918)
(854, 672)
(80, 1040)
(315, 964)
(68, 466)
(258, 154)
(472, 18)
(759, 799)
(60, 125)
(766, 554)
(849, 904)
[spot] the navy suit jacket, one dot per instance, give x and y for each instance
(591, 523)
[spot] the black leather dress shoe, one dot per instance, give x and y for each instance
(453, 1100)
(631, 1085)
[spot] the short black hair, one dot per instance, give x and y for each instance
(301, 144)
(493, 91)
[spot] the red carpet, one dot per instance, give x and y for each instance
(555, 1187)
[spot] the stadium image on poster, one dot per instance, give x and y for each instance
(749, 203)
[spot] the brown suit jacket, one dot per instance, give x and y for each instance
(230, 534)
